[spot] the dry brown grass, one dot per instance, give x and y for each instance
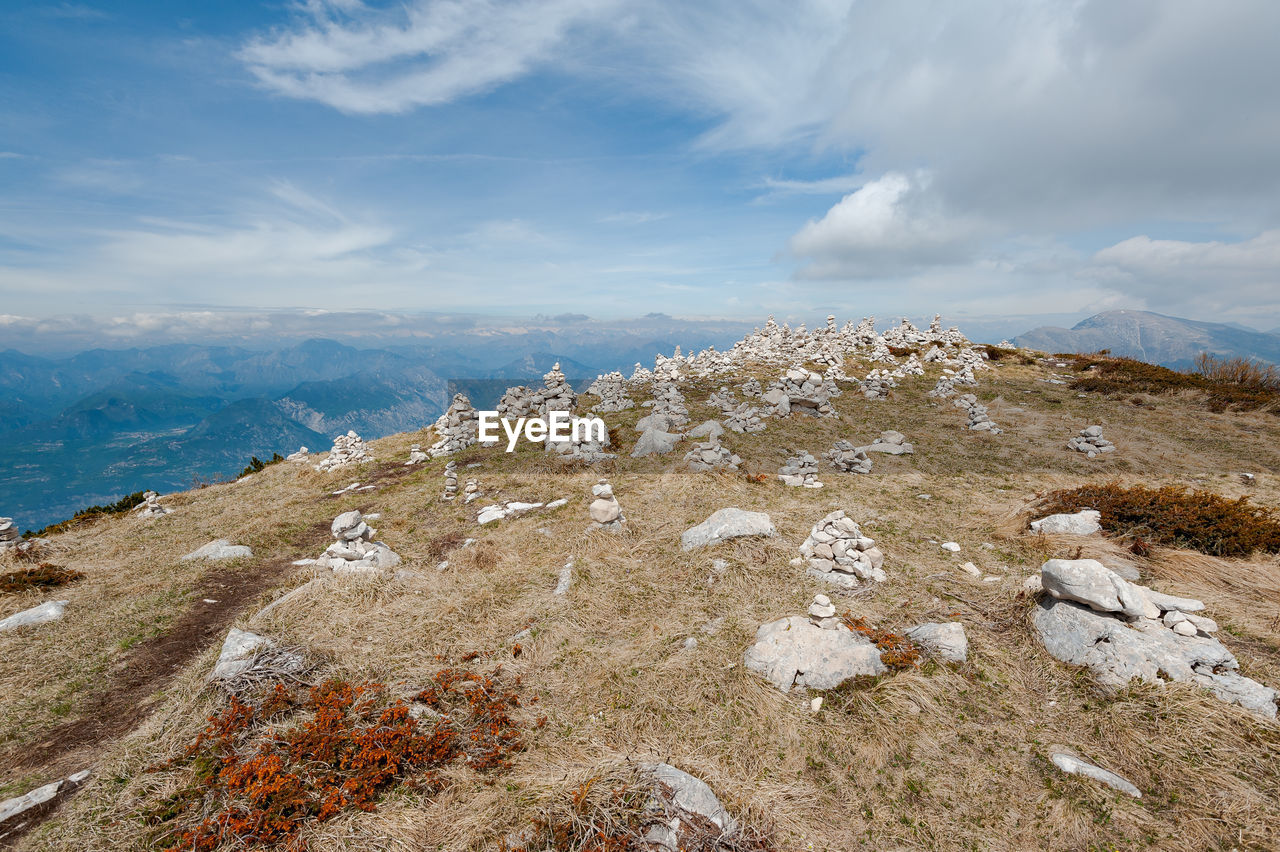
(950, 757)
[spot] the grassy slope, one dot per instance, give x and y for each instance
(943, 757)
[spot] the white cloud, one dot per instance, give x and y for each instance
(1213, 278)
(888, 225)
(361, 60)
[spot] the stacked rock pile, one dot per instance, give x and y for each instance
(605, 511)
(807, 392)
(1091, 442)
(519, 401)
(847, 458)
(723, 399)
(979, 420)
(150, 506)
(890, 442)
(822, 613)
(347, 450)
(612, 390)
(711, 455)
(458, 428)
(8, 534)
(582, 445)
(745, 418)
(470, 491)
(877, 384)
(354, 550)
(800, 470)
(450, 480)
(416, 455)
(555, 395)
(838, 552)
(669, 402)
(751, 387)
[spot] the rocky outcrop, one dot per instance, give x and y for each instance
(794, 653)
(1121, 631)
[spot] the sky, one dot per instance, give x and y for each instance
(714, 159)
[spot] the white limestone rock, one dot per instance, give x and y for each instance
(792, 652)
(726, 524)
(1073, 765)
(42, 614)
(1084, 522)
(946, 640)
(219, 548)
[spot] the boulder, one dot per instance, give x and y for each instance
(1084, 522)
(1089, 582)
(793, 652)
(42, 614)
(219, 548)
(726, 524)
(710, 429)
(684, 796)
(946, 641)
(237, 653)
(654, 441)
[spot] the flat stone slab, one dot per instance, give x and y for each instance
(726, 524)
(1075, 766)
(42, 614)
(945, 640)
(1084, 522)
(219, 548)
(794, 652)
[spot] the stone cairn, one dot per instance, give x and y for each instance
(517, 402)
(838, 552)
(800, 470)
(1091, 442)
(8, 534)
(556, 395)
(354, 551)
(847, 458)
(458, 428)
(745, 418)
(711, 455)
(605, 512)
(822, 613)
(669, 402)
(979, 420)
(891, 443)
(612, 390)
(347, 450)
(302, 455)
(416, 455)
(470, 491)
(150, 506)
(450, 480)
(807, 392)
(877, 384)
(751, 387)
(723, 399)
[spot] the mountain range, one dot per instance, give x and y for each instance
(1171, 341)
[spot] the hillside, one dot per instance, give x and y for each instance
(546, 662)
(1170, 341)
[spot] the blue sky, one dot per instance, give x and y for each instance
(713, 159)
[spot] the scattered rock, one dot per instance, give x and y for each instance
(564, 580)
(711, 455)
(17, 813)
(890, 442)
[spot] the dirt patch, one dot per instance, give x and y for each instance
(147, 667)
